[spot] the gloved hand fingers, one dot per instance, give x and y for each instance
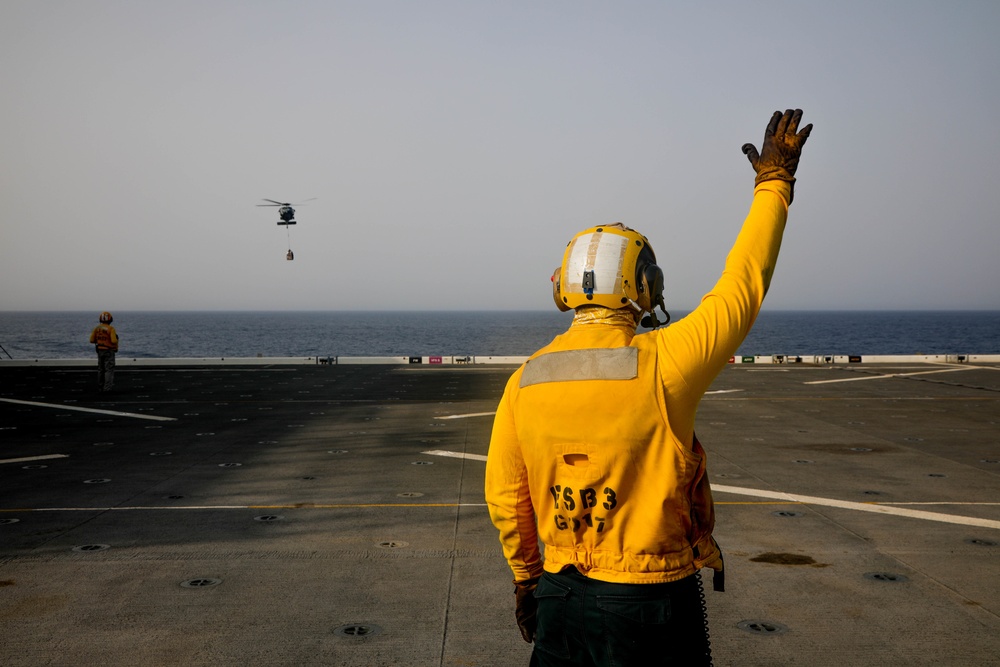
(527, 620)
(772, 125)
(804, 134)
(751, 152)
(793, 120)
(526, 608)
(791, 134)
(784, 122)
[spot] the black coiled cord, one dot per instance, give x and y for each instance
(706, 651)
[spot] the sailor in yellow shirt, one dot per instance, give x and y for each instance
(105, 339)
(595, 478)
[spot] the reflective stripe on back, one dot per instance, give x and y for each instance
(616, 363)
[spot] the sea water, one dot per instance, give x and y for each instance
(64, 335)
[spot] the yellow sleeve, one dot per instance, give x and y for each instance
(507, 494)
(701, 344)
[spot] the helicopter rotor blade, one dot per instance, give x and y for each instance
(276, 203)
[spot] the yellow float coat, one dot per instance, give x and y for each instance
(104, 337)
(593, 450)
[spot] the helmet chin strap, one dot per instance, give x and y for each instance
(650, 321)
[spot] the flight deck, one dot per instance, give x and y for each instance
(264, 513)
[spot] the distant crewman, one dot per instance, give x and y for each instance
(594, 456)
(105, 339)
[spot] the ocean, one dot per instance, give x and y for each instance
(145, 334)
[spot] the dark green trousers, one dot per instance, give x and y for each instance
(105, 369)
(585, 622)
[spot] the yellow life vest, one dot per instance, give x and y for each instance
(104, 337)
(593, 450)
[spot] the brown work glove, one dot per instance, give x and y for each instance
(779, 154)
(526, 607)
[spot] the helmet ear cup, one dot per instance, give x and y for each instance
(557, 290)
(651, 292)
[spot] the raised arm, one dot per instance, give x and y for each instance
(702, 343)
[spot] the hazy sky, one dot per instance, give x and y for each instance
(454, 148)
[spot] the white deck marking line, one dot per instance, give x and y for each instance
(891, 375)
(808, 500)
(35, 458)
(471, 414)
(455, 455)
(317, 506)
(861, 507)
(115, 413)
(723, 391)
(943, 502)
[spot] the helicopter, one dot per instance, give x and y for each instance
(287, 215)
